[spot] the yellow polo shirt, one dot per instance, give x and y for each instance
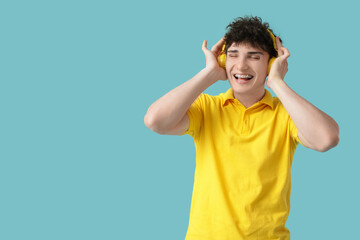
(242, 177)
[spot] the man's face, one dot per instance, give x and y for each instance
(246, 68)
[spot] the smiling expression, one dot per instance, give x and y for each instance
(246, 69)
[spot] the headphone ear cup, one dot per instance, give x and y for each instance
(270, 64)
(222, 60)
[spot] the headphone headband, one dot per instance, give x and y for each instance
(273, 38)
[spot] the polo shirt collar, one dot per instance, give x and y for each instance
(229, 95)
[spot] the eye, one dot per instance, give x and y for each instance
(255, 57)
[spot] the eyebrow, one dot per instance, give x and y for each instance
(250, 53)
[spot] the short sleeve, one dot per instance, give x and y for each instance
(294, 132)
(196, 114)
(291, 128)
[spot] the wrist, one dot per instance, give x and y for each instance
(212, 74)
(274, 82)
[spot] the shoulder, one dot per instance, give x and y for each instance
(277, 103)
(278, 106)
(280, 111)
(205, 99)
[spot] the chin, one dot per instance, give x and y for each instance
(245, 87)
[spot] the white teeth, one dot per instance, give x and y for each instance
(243, 76)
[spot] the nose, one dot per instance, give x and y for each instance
(242, 64)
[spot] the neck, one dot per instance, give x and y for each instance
(251, 98)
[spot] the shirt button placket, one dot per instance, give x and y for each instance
(245, 123)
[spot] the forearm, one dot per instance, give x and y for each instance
(315, 126)
(168, 110)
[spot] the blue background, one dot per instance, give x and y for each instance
(77, 77)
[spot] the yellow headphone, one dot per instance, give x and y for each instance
(222, 57)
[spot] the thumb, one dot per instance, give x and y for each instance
(204, 46)
(285, 52)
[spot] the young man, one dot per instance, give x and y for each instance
(245, 138)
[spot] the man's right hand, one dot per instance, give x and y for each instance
(212, 56)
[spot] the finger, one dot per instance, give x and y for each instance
(218, 46)
(221, 41)
(204, 47)
(279, 46)
(286, 52)
(278, 43)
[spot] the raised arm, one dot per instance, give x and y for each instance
(168, 114)
(316, 129)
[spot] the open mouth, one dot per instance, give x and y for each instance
(243, 77)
